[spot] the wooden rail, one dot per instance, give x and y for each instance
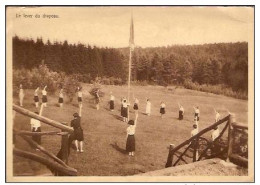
(43, 119)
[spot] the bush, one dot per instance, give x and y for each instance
(70, 86)
(37, 77)
(215, 89)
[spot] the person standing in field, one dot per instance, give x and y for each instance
(21, 95)
(79, 96)
(136, 106)
(97, 98)
(44, 96)
(130, 135)
(78, 135)
(196, 113)
(148, 107)
(215, 133)
(194, 132)
(125, 110)
(36, 127)
(112, 102)
(61, 98)
(196, 122)
(217, 116)
(181, 112)
(162, 109)
(36, 97)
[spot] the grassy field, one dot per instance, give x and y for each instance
(105, 133)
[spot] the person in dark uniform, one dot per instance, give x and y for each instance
(44, 96)
(181, 112)
(196, 113)
(136, 103)
(130, 134)
(112, 102)
(162, 109)
(78, 131)
(36, 97)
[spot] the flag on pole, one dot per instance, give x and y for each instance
(131, 39)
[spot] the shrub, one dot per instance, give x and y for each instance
(70, 86)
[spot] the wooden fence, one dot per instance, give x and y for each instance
(58, 164)
(201, 148)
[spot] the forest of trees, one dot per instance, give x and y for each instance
(212, 64)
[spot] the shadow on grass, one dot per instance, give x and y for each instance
(117, 117)
(116, 147)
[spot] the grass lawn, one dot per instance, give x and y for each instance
(105, 133)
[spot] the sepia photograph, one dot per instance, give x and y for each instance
(130, 94)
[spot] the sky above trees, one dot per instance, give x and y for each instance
(153, 26)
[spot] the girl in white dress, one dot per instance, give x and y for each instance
(217, 116)
(44, 96)
(21, 95)
(148, 107)
(36, 97)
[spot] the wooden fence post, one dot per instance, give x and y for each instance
(230, 135)
(170, 157)
(65, 145)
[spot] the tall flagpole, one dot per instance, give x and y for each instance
(131, 47)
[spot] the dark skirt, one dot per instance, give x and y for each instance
(44, 99)
(121, 110)
(130, 143)
(78, 134)
(124, 112)
(180, 115)
(196, 115)
(112, 105)
(135, 106)
(60, 100)
(36, 138)
(36, 99)
(79, 99)
(162, 110)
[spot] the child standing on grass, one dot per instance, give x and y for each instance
(36, 127)
(44, 96)
(181, 112)
(130, 142)
(112, 102)
(36, 97)
(217, 116)
(136, 107)
(61, 98)
(78, 131)
(97, 99)
(79, 96)
(162, 109)
(125, 110)
(148, 107)
(196, 113)
(194, 132)
(21, 95)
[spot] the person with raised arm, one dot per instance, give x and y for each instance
(181, 112)
(136, 105)
(78, 131)
(130, 135)
(36, 97)
(162, 109)
(196, 113)
(112, 102)
(80, 96)
(21, 95)
(36, 126)
(217, 115)
(44, 96)
(61, 98)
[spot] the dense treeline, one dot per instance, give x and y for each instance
(213, 64)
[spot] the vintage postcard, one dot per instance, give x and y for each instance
(130, 93)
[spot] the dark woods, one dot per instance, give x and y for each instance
(224, 65)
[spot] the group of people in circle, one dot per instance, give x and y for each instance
(78, 135)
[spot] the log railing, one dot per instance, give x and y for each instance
(58, 164)
(216, 148)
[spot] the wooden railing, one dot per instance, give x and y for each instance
(59, 163)
(201, 148)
